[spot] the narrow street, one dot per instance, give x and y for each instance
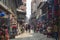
(32, 36)
(29, 19)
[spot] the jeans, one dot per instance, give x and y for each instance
(56, 35)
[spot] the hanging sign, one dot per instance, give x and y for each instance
(2, 14)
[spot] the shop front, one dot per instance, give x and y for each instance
(13, 31)
(59, 18)
(13, 26)
(4, 19)
(5, 16)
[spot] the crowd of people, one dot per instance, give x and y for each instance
(49, 30)
(4, 35)
(26, 28)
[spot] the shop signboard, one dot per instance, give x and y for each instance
(2, 14)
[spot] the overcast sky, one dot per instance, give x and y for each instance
(28, 6)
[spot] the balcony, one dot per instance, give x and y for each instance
(22, 8)
(19, 20)
(21, 13)
(24, 1)
(21, 17)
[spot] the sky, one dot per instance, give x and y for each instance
(28, 10)
(28, 6)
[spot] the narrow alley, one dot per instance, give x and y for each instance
(29, 19)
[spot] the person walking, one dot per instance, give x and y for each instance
(49, 31)
(26, 27)
(22, 28)
(55, 32)
(29, 28)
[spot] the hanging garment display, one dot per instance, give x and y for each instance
(49, 11)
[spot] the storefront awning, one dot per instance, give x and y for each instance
(14, 26)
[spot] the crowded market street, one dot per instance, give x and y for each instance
(29, 19)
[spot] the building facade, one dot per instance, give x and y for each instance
(49, 8)
(21, 12)
(36, 10)
(9, 10)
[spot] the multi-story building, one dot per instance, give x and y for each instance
(49, 9)
(22, 11)
(8, 7)
(33, 13)
(36, 10)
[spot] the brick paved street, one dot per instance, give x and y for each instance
(32, 36)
